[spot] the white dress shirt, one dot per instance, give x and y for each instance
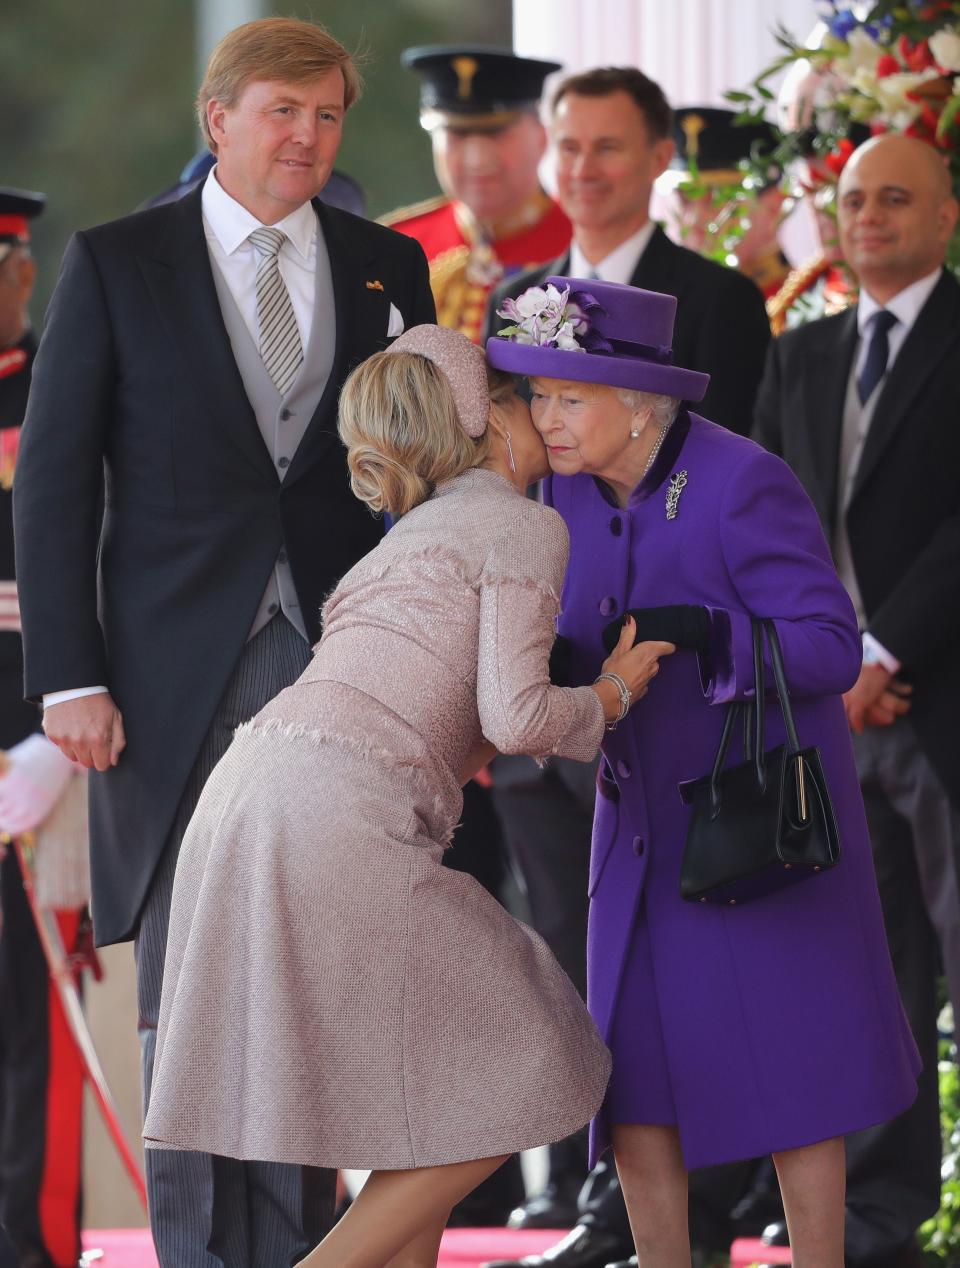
(620, 265)
(227, 227)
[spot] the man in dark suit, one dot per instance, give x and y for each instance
(610, 132)
(864, 407)
(189, 376)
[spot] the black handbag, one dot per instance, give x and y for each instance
(767, 822)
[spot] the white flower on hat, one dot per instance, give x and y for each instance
(945, 47)
(543, 317)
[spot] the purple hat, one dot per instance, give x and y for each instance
(594, 332)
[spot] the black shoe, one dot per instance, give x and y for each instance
(632, 1262)
(553, 1208)
(583, 1247)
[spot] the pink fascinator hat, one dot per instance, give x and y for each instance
(462, 364)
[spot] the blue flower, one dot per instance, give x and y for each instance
(842, 23)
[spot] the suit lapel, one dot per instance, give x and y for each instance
(354, 305)
(824, 372)
(932, 335)
(179, 275)
(653, 271)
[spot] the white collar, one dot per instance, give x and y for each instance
(620, 265)
(232, 224)
(905, 305)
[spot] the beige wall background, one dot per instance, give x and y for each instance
(110, 1200)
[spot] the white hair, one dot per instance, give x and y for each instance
(662, 409)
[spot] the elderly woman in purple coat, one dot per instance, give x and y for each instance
(772, 1027)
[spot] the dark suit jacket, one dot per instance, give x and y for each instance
(136, 388)
(721, 326)
(903, 519)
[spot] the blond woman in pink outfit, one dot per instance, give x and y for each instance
(334, 996)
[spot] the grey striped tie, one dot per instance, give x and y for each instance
(280, 344)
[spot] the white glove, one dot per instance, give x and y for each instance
(36, 776)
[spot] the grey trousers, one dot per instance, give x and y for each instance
(893, 1170)
(205, 1211)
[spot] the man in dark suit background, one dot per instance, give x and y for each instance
(864, 407)
(189, 376)
(611, 137)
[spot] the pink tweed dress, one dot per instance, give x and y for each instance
(333, 996)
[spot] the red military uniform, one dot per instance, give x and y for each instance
(41, 1075)
(466, 263)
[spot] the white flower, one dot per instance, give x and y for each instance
(565, 338)
(891, 93)
(945, 47)
(862, 53)
(530, 303)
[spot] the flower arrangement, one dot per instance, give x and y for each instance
(545, 317)
(886, 65)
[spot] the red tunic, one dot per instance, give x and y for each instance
(465, 265)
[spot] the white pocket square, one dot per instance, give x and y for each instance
(395, 324)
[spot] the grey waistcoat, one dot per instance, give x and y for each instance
(283, 420)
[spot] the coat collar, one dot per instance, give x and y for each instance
(933, 335)
(180, 277)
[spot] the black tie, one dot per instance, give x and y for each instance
(878, 350)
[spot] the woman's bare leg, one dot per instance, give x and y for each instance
(654, 1182)
(393, 1210)
(423, 1251)
(813, 1185)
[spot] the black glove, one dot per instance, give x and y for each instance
(561, 655)
(685, 624)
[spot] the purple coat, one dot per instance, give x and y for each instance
(780, 1019)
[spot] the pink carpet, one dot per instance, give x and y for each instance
(462, 1248)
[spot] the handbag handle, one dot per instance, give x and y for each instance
(780, 679)
(754, 717)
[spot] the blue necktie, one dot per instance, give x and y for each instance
(878, 351)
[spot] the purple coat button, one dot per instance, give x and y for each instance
(616, 526)
(623, 770)
(638, 846)
(608, 606)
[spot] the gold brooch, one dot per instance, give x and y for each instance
(375, 285)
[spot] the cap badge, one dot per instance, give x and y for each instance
(465, 68)
(693, 125)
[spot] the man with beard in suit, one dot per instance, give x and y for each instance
(863, 406)
(188, 377)
(610, 133)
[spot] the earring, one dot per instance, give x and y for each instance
(513, 465)
(635, 433)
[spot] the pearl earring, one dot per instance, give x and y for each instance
(635, 433)
(513, 465)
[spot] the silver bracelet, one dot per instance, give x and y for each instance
(624, 691)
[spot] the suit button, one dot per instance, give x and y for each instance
(282, 557)
(616, 526)
(608, 606)
(638, 846)
(285, 414)
(623, 770)
(273, 609)
(283, 462)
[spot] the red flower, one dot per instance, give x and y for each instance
(887, 64)
(878, 129)
(916, 57)
(836, 160)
